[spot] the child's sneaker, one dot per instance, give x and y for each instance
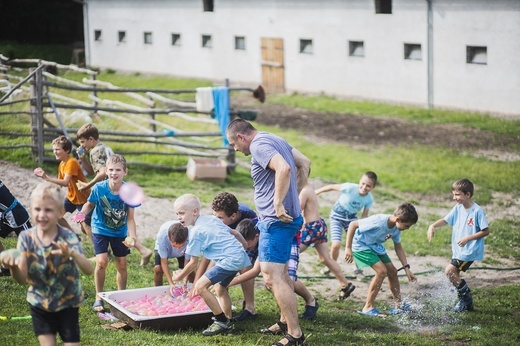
(403, 308)
(310, 311)
(219, 328)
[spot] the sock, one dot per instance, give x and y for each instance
(462, 284)
(221, 317)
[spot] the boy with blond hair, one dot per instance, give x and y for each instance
(49, 256)
(211, 238)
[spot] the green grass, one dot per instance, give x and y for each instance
(405, 173)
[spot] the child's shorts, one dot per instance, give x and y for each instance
(70, 207)
(461, 265)
(157, 262)
(294, 261)
(101, 243)
(367, 258)
(64, 322)
(220, 275)
(314, 233)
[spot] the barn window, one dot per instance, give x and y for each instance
(240, 43)
(356, 48)
(476, 55)
(121, 36)
(412, 51)
(383, 6)
(97, 35)
(176, 39)
(147, 38)
(206, 41)
(305, 46)
(208, 5)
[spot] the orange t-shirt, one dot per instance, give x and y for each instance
(72, 167)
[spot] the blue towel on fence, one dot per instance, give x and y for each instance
(221, 100)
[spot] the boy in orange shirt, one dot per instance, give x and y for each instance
(69, 174)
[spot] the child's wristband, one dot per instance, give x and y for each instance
(406, 266)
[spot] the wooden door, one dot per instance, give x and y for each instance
(273, 76)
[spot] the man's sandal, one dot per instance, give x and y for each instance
(282, 329)
(346, 291)
(291, 341)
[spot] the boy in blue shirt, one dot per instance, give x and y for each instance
(211, 238)
(353, 198)
(112, 221)
(470, 227)
(164, 250)
(365, 240)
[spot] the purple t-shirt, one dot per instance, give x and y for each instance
(263, 148)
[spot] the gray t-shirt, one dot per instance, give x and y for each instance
(263, 148)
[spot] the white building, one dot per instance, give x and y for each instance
(444, 53)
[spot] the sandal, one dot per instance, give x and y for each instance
(346, 291)
(98, 306)
(291, 341)
(282, 329)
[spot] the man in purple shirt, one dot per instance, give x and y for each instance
(274, 168)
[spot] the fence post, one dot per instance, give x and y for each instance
(231, 149)
(94, 93)
(37, 116)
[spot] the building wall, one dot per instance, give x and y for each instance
(381, 74)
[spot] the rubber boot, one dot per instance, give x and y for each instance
(465, 302)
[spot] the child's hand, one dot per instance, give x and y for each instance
(39, 172)
(431, 233)
(79, 217)
(348, 255)
(462, 242)
(9, 258)
(129, 242)
(63, 249)
(410, 276)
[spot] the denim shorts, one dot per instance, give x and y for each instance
(64, 322)
(276, 238)
(101, 243)
(220, 275)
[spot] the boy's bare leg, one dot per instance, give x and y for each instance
(157, 276)
(393, 283)
(375, 285)
(47, 339)
(453, 274)
(122, 272)
(334, 249)
(248, 289)
(100, 272)
(88, 231)
(224, 300)
(146, 253)
(302, 291)
(334, 267)
(201, 286)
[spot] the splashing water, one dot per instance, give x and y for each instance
(433, 302)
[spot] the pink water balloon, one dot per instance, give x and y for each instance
(132, 194)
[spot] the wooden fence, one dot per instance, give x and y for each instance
(47, 104)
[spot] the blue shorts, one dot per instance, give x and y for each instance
(101, 243)
(276, 238)
(220, 275)
(64, 322)
(71, 207)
